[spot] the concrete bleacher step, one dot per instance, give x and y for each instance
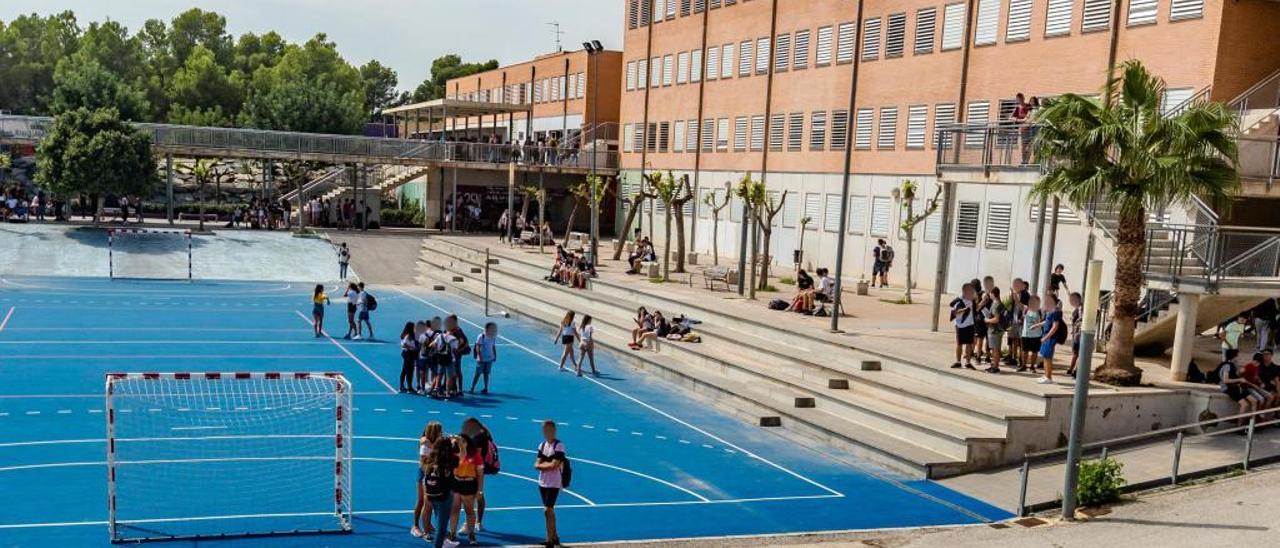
(928, 420)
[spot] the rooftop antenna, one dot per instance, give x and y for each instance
(558, 33)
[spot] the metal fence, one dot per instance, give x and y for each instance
(1213, 254)
(1005, 145)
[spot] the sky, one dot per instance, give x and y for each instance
(403, 34)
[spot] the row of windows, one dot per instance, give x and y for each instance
(995, 233)
(544, 90)
(886, 36)
(642, 12)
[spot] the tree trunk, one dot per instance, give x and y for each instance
(715, 238)
(201, 208)
(666, 245)
(1119, 368)
(98, 202)
(680, 249)
(765, 259)
(626, 229)
(906, 295)
(524, 208)
(755, 249)
(569, 226)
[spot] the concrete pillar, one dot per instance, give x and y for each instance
(1184, 337)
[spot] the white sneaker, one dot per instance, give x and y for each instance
(479, 526)
(356, 338)
(463, 530)
(416, 532)
(1044, 380)
(451, 543)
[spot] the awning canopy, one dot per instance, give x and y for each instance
(441, 108)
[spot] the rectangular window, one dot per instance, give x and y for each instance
(888, 128)
(862, 128)
(817, 131)
(713, 62)
(847, 40)
(988, 24)
(651, 137)
(1019, 26)
(667, 70)
(998, 219)
(1057, 19)
(824, 47)
(880, 215)
(933, 224)
(917, 120)
(708, 135)
(967, 216)
(926, 25)
(582, 85)
(831, 219)
(740, 134)
(735, 206)
(682, 67)
(812, 209)
(664, 136)
(895, 36)
(857, 215)
(791, 212)
(677, 136)
(795, 132)
(801, 58)
(691, 141)
(839, 129)
(1066, 215)
(1173, 98)
(671, 9)
(1186, 9)
(870, 41)
(762, 55)
(655, 72)
(633, 14)
(722, 135)
(726, 67)
(953, 24)
(631, 75)
(684, 8)
(695, 72)
(642, 72)
(699, 6)
(979, 113)
(782, 53)
(777, 132)
(944, 114)
(757, 133)
(628, 138)
(1096, 16)
(1142, 12)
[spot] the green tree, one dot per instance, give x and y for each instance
(633, 204)
(582, 193)
(86, 84)
(911, 219)
(445, 68)
(710, 201)
(674, 192)
(201, 91)
(196, 27)
(30, 48)
(379, 86)
(306, 106)
(763, 209)
(95, 153)
(1122, 150)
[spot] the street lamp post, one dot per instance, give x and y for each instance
(594, 49)
(1079, 403)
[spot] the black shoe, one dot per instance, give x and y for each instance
(970, 366)
(956, 365)
(993, 370)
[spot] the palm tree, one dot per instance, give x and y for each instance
(1122, 150)
(201, 173)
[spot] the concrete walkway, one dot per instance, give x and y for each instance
(382, 257)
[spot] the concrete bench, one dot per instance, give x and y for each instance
(719, 274)
(208, 217)
(577, 241)
(650, 270)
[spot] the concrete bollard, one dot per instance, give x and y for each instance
(770, 422)
(838, 384)
(806, 403)
(869, 365)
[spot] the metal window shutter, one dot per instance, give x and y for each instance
(713, 62)
(998, 217)
(795, 131)
(1057, 19)
(978, 113)
(631, 75)
(953, 26)
(933, 226)
(735, 209)
(1019, 21)
(777, 131)
(818, 131)
(857, 214)
(1142, 12)
(831, 220)
(870, 41)
(684, 8)
(744, 58)
(699, 6)
(1186, 9)
(645, 16)
(888, 127)
(839, 129)
(691, 141)
(782, 53)
(628, 139)
(1005, 111)
(762, 55)
(895, 36)
(726, 58)
(633, 14)
(1096, 15)
(813, 209)
(740, 134)
(801, 58)
(757, 133)
(1173, 98)
(967, 214)
(880, 206)
(790, 212)
(917, 120)
(655, 72)
(926, 26)
(708, 135)
(671, 9)
(722, 134)
(695, 70)
(664, 136)
(862, 128)
(667, 70)
(682, 67)
(823, 57)
(988, 24)
(677, 136)
(1066, 215)
(651, 137)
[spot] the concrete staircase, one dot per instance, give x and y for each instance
(1157, 333)
(918, 419)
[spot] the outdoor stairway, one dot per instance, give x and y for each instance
(915, 418)
(1157, 333)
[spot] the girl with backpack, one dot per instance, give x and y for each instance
(422, 511)
(468, 482)
(482, 439)
(438, 486)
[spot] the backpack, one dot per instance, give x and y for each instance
(778, 304)
(370, 303)
(1195, 375)
(886, 254)
(435, 486)
(492, 464)
(1060, 336)
(566, 469)
(464, 347)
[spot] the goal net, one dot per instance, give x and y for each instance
(146, 253)
(194, 455)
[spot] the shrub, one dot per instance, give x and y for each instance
(787, 280)
(402, 217)
(1100, 482)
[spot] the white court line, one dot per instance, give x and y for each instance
(645, 405)
(193, 289)
(170, 357)
(570, 492)
(7, 315)
(200, 329)
(191, 343)
(349, 354)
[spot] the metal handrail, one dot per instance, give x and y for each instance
(1202, 95)
(1241, 102)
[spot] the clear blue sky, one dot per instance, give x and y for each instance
(403, 34)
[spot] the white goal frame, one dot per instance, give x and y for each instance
(342, 437)
(111, 240)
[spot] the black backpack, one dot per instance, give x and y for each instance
(435, 486)
(886, 254)
(370, 303)
(566, 469)
(1060, 336)
(778, 304)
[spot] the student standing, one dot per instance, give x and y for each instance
(344, 259)
(1230, 335)
(1054, 329)
(586, 333)
(437, 486)
(1057, 281)
(363, 306)
(1032, 331)
(550, 463)
(422, 334)
(1077, 323)
(566, 335)
(318, 301)
(458, 347)
(408, 356)
(422, 511)
(994, 317)
(883, 256)
(468, 477)
(353, 295)
(486, 352)
(963, 317)
(482, 441)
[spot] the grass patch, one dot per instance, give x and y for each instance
(787, 280)
(769, 289)
(899, 300)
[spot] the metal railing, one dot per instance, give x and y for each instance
(329, 179)
(1259, 160)
(1003, 145)
(1209, 254)
(371, 149)
(1179, 436)
(1263, 95)
(1202, 95)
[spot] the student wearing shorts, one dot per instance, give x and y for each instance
(1077, 323)
(963, 317)
(459, 347)
(1052, 327)
(550, 463)
(1235, 386)
(423, 331)
(993, 316)
(485, 352)
(1032, 330)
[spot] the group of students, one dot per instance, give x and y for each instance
(643, 253)
(1032, 325)
(359, 304)
(583, 336)
(1255, 386)
(433, 350)
(811, 298)
(652, 327)
(451, 481)
(571, 268)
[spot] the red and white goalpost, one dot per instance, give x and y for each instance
(148, 253)
(196, 455)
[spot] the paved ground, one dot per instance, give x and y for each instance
(382, 257)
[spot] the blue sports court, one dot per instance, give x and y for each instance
(650, 462)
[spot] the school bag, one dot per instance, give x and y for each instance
(886, 254)
(370, 303)
(464, 347)
(566, 469)
(435, 485)
(778, 304)
(492, 464)
(1060, 336)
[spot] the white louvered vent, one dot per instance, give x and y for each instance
(953, 24)
(988, 22)
(1019, 27)
(967, 214)
(1057, 19)
(917, 120)
(926, 26)
(998, 218)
